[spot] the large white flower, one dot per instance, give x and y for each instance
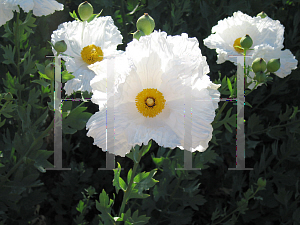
(288, 61)
(149, 94)
(87, 43)
(227, 33)
(39, 7)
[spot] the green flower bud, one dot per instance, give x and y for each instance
(85, 10)
(146, 24)
(262, 14)
(138, 34)
(260, 76)
(60, 46)
(49, 70)
(259, 64)
(8, 96)
(273, 65)
(261, 182)
(246, 42)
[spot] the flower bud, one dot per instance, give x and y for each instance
(60, 46)
(146, 24)
(138, 34)
(85, 10)
(261, 182)
(8, 96)
(246, 42)
(49, 70)
(259, 64)
(262, 14)
(273, 65)
(260, 76)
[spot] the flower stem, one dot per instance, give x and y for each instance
(17, 44)
(124, 23)
(220, 112)
(128, 190)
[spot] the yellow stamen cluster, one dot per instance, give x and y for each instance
(150, 102)
(91, 54)
(237, 43)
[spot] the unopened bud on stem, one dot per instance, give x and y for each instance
(246, 42)
(85, 10)
(259, 64)
(49, 70)
(273, 65)
(138, 34)
(146, 24)
(262, 14)
(260, 76)
(60, 46)
(261, 182)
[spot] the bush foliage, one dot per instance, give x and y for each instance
(160, 194)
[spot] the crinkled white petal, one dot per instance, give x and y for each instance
(6, 11)
(81, 81)
(263, 31)
(46, 7)
(39, 7)
(156, 66)
(101, 32)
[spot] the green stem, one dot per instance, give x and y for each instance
(124, 23)
(17, 44)
(173, 193)
(220, 112)
(45, 132)
(128, 190)
(252, 89)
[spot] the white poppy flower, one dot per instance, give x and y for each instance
(87, 43)
(39, 7)
(227, 33)
(288, 61)
(149, 95)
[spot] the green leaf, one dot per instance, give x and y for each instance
(43, 76)
(134, 194)
(139, 220)
(9, 54)
(40, 159)
(146, 148)
(66, 76)
(74, 15)
(228, 127)
(286, 116)
(7, 109)
(76, 120)
(118, 182)
(41, 82)
(229, 87)
(144, 181)
(28, 63)
(80, 207)
(93, 16)
(129, 175)
(10, 83)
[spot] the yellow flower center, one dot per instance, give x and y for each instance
(237, 43)
(150, 102)
(91, 54)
